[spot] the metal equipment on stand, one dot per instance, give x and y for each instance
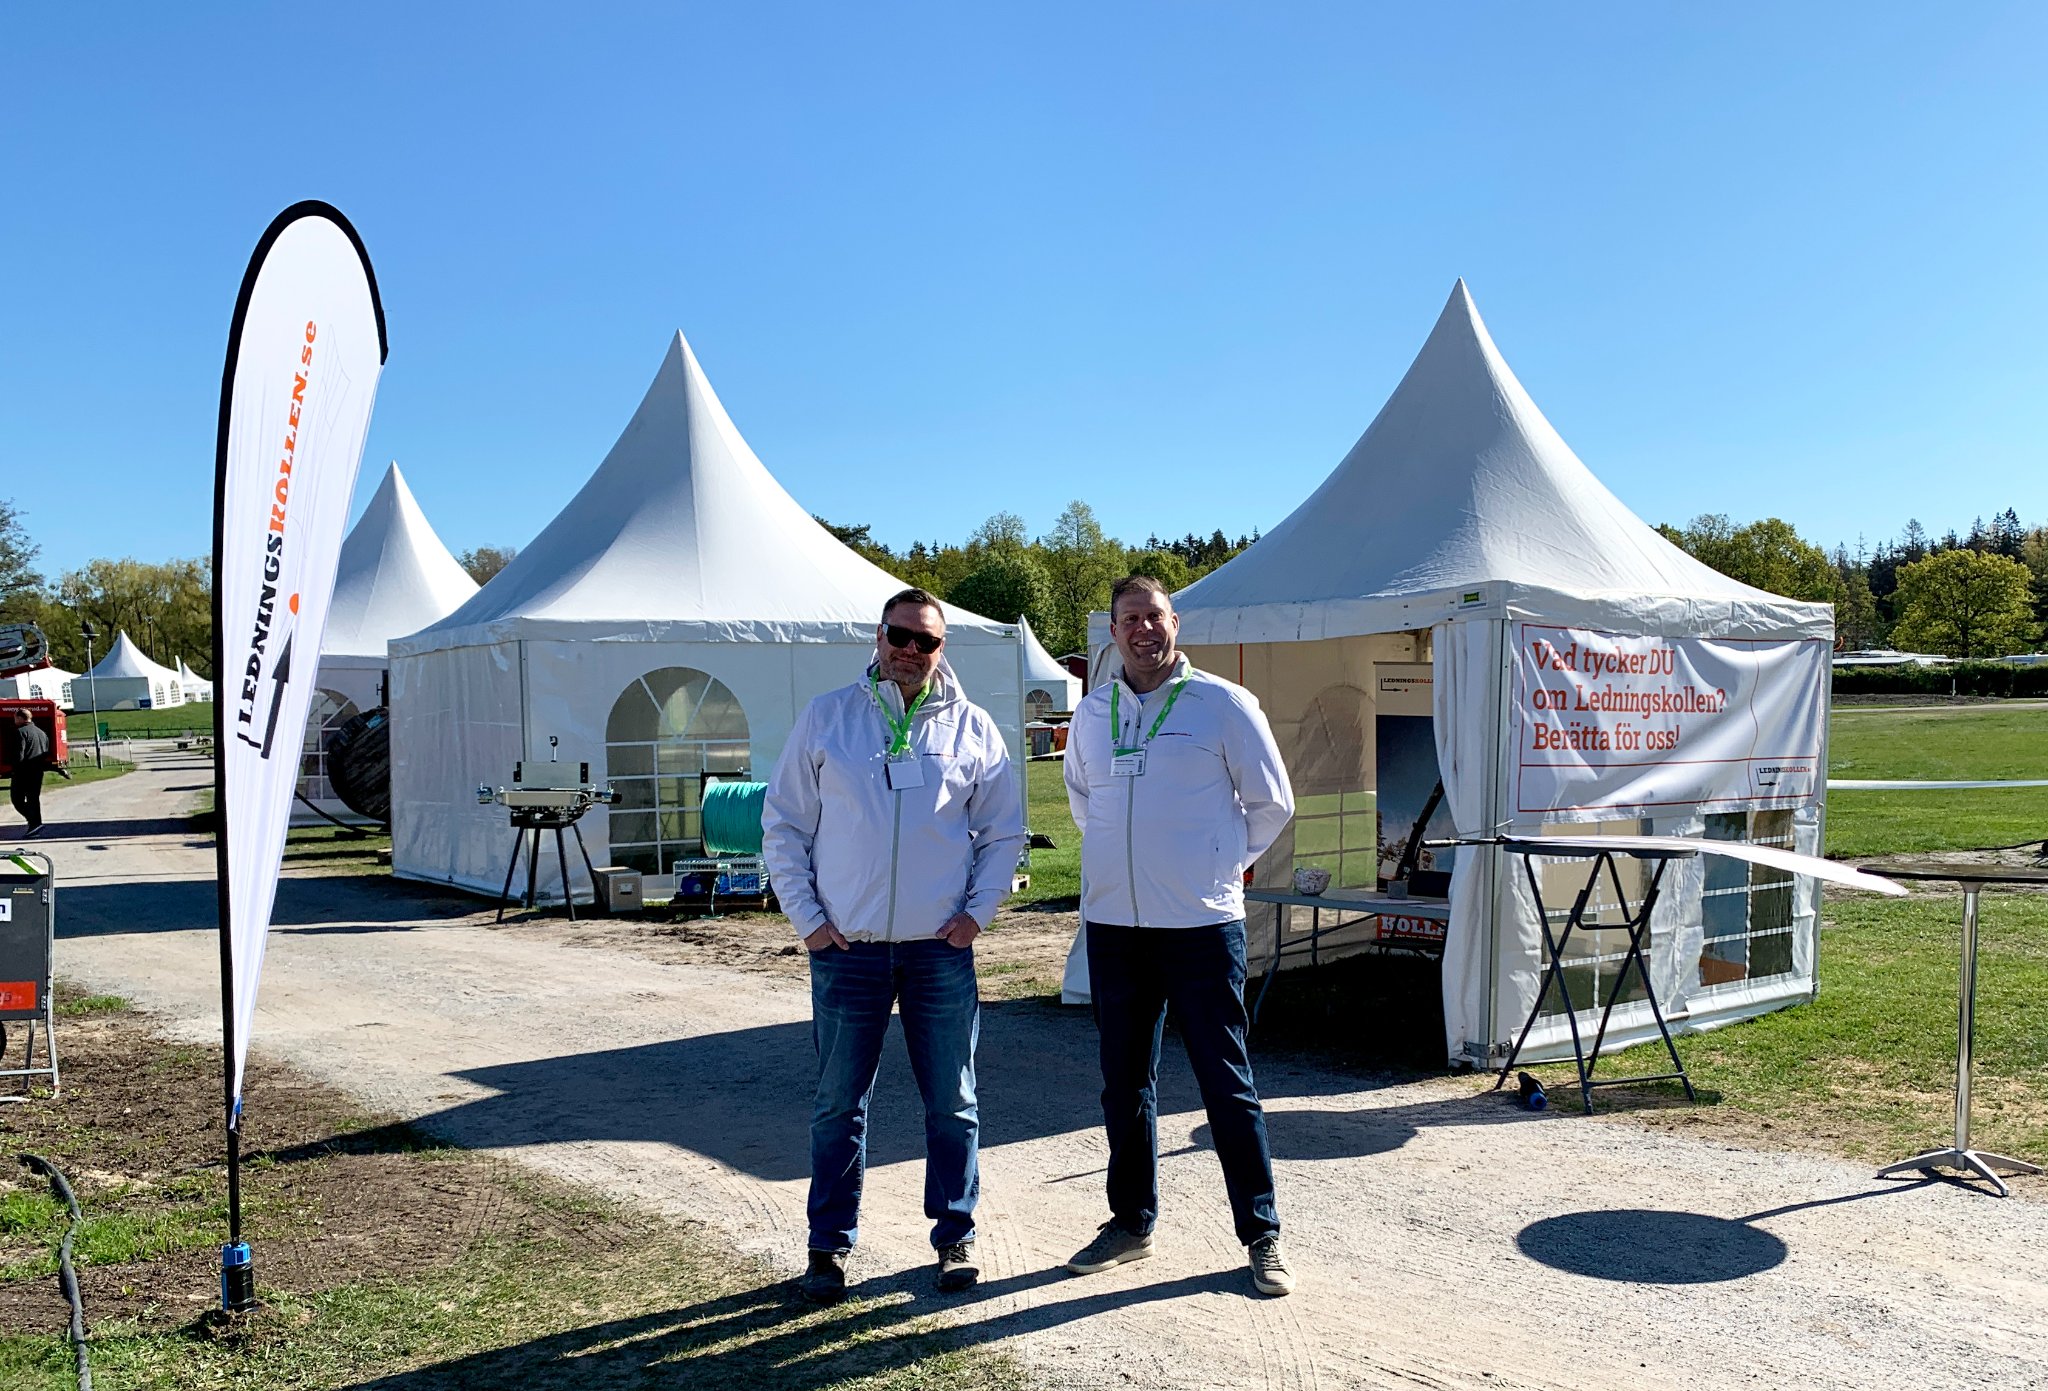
(549, 796)
(28, 922)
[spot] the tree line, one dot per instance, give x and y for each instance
(1054, 581)
(1984, 594)
(165, 608)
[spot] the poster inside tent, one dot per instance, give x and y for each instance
(1405, 768)
(1619, 724)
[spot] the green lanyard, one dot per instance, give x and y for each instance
(899, 734)
(1116, 723)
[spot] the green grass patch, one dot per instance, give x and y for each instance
(1981, 742)
(85, 1006)
(176, 722)
(1056, 873)
(1868, 1068)
(327, 849)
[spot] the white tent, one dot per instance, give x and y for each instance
(44, 683)
(393, 577)
(125, 679)
(1048, 686)
(667, 626)
(195, 686)
(1582, 673)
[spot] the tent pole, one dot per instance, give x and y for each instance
(1501, 654)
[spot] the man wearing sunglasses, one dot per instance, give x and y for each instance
(891, 831)
(1178, 788)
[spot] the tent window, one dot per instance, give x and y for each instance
(330, 711)
(1593, 958)
(1746, 910)
(1038, 705)
(668, 732)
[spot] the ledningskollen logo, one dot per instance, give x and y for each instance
(267, 624)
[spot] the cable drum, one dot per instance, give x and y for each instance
(359, 764)
(732, 817)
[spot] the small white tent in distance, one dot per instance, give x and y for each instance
(126, 679)
(195, 686)
(1575, 673)
(667, 626)
(393, 577)
(1048, 686)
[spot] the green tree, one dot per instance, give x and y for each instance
(486, 561)
(859, 538)
(1007, 587)
(166, 608)
(19, 578)
(1164, 566)
(1857, 624)
(1768, 555)
(1080, 564)
(1002, 534)
(1965, 603)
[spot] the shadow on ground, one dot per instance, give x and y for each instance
(765, 1338)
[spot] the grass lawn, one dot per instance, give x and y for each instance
(1055, 874)
(179, 720)
(1974, 742)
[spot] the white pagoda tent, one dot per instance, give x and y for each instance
(666, 627)
(393, 577)
(126, 679)
(1048, 686)
(44, 683)
(195, 686)
(1461, 568)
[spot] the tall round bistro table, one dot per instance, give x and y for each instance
(1972, 1163)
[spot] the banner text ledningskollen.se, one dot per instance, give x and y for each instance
(304, 354)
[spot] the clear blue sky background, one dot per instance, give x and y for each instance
(945, 260)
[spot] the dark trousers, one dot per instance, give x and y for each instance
(25, 789)
(1138, 977)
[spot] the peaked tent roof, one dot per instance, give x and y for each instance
(1460, 484)
(125, 659)
(394, 576)
(189, 678)
(1039, 664)
(682, 534)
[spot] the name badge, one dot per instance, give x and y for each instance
(1128, 765)
(904, 773)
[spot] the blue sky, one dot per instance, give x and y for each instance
(946, 260)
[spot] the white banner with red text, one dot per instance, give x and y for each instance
(1610, 725)
(304, 354)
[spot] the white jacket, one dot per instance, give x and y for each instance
(883, 865)
(1169, 847)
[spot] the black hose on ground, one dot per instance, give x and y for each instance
(67, 1278)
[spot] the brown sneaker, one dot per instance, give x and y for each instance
(1269, 1267)
(1112, 1246)
(825, 1281)
(958, 1270)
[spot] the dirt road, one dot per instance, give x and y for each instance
(1441, 1238)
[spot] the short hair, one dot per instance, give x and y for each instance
(1137, 584)
(912, 595)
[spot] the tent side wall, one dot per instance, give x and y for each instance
(459, 721)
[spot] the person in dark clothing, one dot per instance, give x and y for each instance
(31, 760)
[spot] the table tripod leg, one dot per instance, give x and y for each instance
(1638, 929)
(562, 857)
(532, 869)
(588, 867)
(1555, 971)
(505, 894)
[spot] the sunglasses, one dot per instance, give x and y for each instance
(907, 637)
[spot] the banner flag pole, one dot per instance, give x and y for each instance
(305, 350)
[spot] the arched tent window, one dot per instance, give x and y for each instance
(668, 732)
(330, 711)
(1038, 704)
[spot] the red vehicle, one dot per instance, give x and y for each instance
(41, 712)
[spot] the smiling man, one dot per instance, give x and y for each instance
(1177, 787)
(891, 831)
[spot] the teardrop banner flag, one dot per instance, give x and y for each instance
(304, 354)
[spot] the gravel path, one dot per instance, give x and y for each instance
(1441, 1238)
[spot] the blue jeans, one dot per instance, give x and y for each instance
(851, 992)
(1137, 976)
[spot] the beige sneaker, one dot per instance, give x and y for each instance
(1269, 1267)
(1112, 1246)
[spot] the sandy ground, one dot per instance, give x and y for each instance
(1441, 1237)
